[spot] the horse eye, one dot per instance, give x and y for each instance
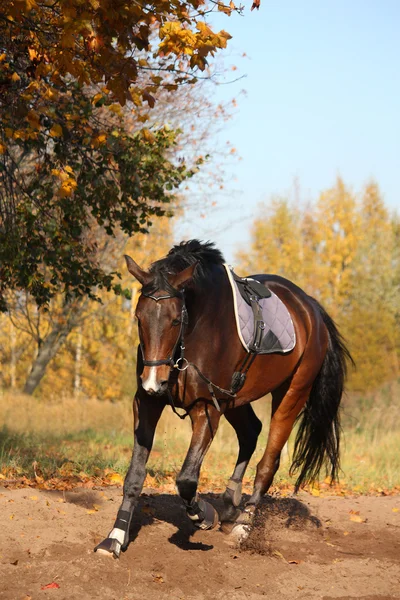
(176, 322)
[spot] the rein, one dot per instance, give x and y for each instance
(186, 364)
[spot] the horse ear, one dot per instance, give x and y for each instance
(142, 276)
(180, 279)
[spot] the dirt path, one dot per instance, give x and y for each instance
(305, 548)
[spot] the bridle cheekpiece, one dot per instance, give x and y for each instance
(180, 339)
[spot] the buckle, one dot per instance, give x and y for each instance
(176, 365)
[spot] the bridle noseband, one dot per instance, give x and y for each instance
(184, 322)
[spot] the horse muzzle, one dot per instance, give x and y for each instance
(155, 379)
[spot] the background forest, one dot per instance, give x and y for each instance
(108, 129)
(344, 250)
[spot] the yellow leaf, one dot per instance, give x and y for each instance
(225, 9)
(148, 136)
(56, 130)
(3, 150)
(91, 512)
(12, 516)
(115, 108)
(97, 97)
(67, 187)
(32, 53)
(15, 77)
(68, 169)
(33, 497)
(395, 509)
(116, 478)
(357, 519)
(3, 57)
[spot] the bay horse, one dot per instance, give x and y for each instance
(189, 349)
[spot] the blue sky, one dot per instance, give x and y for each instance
(322, 82)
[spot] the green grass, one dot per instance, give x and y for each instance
(90, 438)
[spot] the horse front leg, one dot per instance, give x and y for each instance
(147, 411)
(205, 420)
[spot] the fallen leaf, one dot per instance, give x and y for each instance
(357, 519)
(345, 533)
(294, 562)
(395, 509)
(158, 578)
(50, 586)
(33, 497)
(116, 478)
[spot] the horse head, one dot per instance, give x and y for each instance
(162, 317)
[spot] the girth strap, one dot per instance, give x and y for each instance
(259, 324)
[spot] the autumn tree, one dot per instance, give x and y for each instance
(84, 348)
(373, 300)
(343, 250)
(63, 64)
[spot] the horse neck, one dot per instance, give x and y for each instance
(211, 316)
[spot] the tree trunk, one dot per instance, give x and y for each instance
(78, 363)
(13, 359)
(52, 344)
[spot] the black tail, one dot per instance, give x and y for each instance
(318, 438)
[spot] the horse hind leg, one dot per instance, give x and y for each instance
(286, 406)
(247, 427)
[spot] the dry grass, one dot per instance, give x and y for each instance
(95, 436)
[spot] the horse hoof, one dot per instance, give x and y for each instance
(208, 518)
(240, 532)
(109, 547)
(211, 517)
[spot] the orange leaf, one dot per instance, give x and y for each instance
(50, 586)
(56, 130)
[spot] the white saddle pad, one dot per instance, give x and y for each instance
(279, 333)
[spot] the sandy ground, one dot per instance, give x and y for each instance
(307, 547)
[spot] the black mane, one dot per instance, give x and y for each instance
(181, 256)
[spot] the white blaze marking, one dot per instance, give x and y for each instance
(151, 382)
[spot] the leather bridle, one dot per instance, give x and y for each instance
(180, 339)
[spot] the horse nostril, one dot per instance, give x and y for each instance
(164, 384)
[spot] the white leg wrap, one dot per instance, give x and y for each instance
(117, 534)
